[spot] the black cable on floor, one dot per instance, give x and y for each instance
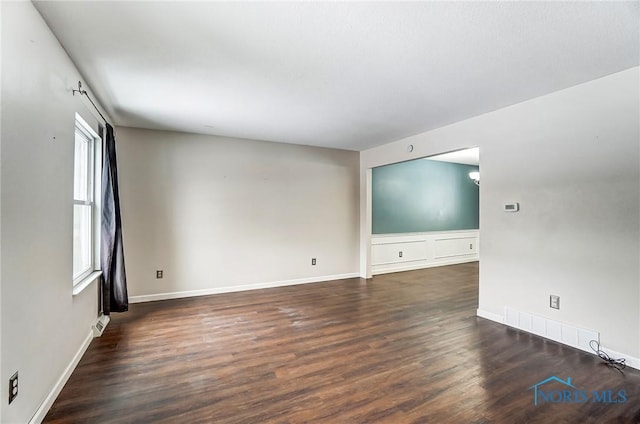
(618, 363)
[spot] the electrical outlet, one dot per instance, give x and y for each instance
(554, 301)
(13, 387)
(313, 261)
(400, 254)
(159, 273)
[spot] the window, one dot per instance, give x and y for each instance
(85, 208)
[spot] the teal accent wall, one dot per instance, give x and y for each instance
(424, 195)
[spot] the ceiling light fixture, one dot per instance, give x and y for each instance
(475, 176)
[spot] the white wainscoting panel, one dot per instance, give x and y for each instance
(455, 246)
(404, 252)
(390, 253)
(551, 329)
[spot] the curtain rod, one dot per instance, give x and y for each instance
(84, 92)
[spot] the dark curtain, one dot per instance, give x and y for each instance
(114, 281)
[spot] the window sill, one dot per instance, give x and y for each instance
(86, 282)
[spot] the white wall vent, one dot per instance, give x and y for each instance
(100, 325)
(551, 329)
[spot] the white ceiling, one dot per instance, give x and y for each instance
(350, 75)
(466, 157)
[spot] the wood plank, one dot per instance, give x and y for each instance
(400, 348)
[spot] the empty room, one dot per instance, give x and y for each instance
(319, 212)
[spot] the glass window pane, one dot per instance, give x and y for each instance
(82, 239)
(81, 171)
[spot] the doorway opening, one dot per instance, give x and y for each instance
(425, 212)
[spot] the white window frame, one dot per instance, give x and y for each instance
(92, 272)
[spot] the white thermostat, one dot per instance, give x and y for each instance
(511, 207)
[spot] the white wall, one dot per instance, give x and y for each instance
(572, 160)
(43, 325)
(220, 214)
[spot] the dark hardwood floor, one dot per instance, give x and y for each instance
(401, 348)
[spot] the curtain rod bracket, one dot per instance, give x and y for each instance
(79, 90)
(84, 92)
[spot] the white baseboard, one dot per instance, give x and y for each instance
(490, 316)
(244, 287)
(38, 417)
(630, 361)
(568, 335)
